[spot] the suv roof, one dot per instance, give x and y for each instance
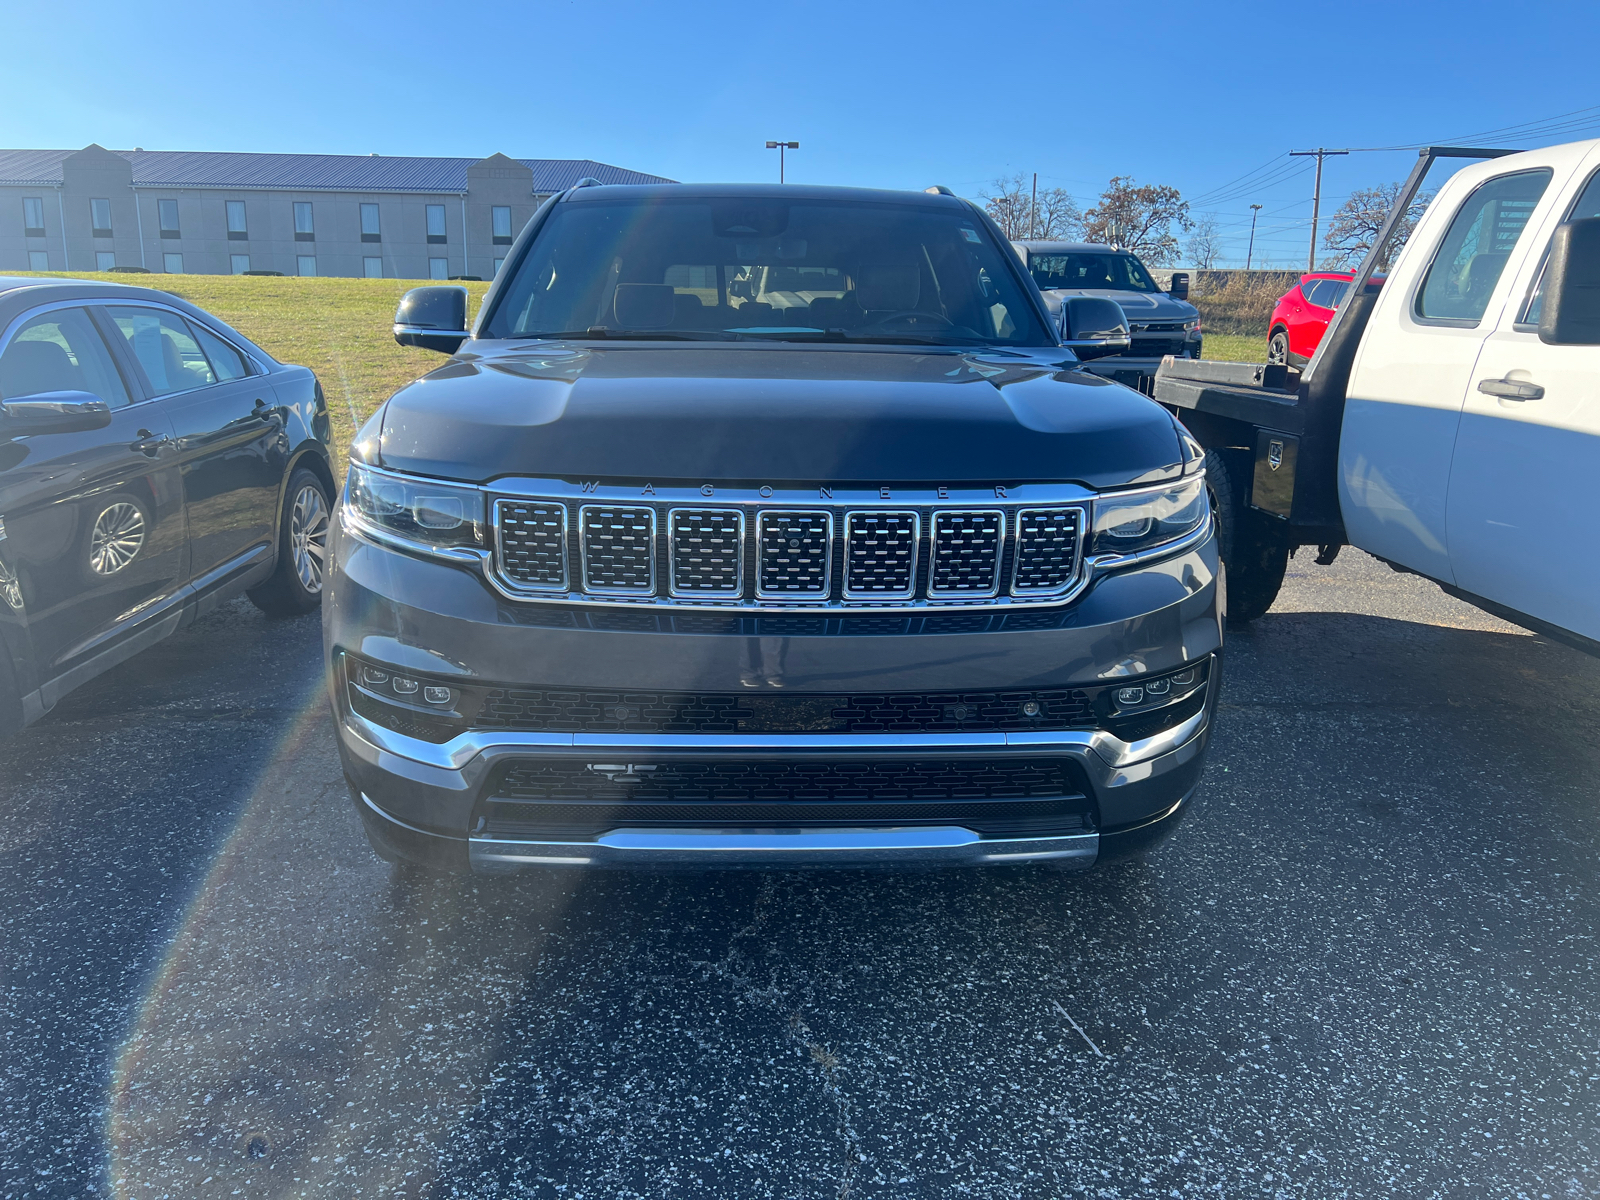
(757, 191)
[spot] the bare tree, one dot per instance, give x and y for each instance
(1205, 243)
(1355, 226)
(1139, 219)
(1010, 202)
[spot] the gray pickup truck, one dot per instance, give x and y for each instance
(1159, 323)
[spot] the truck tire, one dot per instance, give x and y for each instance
(1255, 551)
(295, 585)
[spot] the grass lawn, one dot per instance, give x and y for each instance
(343, 329)
(1234, 347)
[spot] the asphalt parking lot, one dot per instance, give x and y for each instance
(1364, 967)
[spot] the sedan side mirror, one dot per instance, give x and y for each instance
(1093, 326)
(53, 412)
(1178, 286)
(434, 318)
(1570, 314)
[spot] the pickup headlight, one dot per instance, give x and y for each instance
(1143, 520)
(420, 513)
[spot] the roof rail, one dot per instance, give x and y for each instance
(588, 181)
(938, 189)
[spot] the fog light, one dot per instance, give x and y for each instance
(436, 695)
(404, 686)
(1133, 695)
(1158, 687)
(1183, 678)
(1030, 708)
(373, 677)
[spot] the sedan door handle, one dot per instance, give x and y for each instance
(149, 443)
(1510, 389)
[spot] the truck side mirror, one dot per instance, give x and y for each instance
(1570, 315)
(53, 412)
(1179, 285)
(1093, 327)
(434, 318)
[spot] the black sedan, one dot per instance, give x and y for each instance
(153, 463)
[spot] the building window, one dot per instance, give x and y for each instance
(167, 212)
(436, 233)
(32, 216)
(370, 229)
(172, 264)
(498, 263)
(100, 217)
(372, 268)
(438, 268)
(502, 226)
(104, 260)
(306, 264)
(38, 260)
(237, 231)
(304, 231)
(239, 263)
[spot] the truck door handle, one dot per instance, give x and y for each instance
(1510, 389)
(149, 443)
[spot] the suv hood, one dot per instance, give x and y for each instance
(770, 413)
(1136, 306)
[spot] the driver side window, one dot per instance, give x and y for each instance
(60, 351)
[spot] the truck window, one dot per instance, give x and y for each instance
(1588, 205)
(1104, 272)
(1476, 246)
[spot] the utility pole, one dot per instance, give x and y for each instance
(1255, 211)
(780, 147)
(1033, 210)
(1316, 197)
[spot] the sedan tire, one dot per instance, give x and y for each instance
(295, 586)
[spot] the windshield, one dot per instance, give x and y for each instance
(1090, 272)
(737, 268)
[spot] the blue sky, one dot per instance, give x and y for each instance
(878, 94)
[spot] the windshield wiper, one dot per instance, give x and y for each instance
(602, 333)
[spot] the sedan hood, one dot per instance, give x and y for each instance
(770, 413)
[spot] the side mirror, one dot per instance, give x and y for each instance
(434, 318)
(1570, 312)
(53, 412)
(1178, 287)
(1093, 327)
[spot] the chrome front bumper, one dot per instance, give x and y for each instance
(1130, 780)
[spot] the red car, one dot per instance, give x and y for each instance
(1302, 315)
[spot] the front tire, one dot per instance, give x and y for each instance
(1278, 346)
(1255, 552)
(295, 586)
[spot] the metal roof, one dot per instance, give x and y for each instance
(308, 172)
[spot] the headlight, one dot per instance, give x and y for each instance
(1192, 326)
(420, 512)
(1129, 524)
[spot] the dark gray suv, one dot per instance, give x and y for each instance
(756, 526)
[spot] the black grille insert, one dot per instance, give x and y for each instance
(1047, 550)
(966, 553)
(618, 549)
(533, 543)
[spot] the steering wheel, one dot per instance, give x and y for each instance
(916, 316)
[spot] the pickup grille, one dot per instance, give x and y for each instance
(796, 558)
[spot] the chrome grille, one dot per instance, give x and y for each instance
(966, 553)
(794, 554)
(707, 552)
(619, 551)
(881, 555)
(1047, 550)
(533, 543)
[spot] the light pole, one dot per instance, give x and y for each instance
(1255, 211)
(780, 147)
(1316, 198)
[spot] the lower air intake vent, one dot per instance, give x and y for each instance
(618, 549)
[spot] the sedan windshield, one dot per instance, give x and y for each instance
(1090, 272)
(773, 269)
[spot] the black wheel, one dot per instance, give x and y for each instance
(1278, 346)
(1255, 552)
(295, 586)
